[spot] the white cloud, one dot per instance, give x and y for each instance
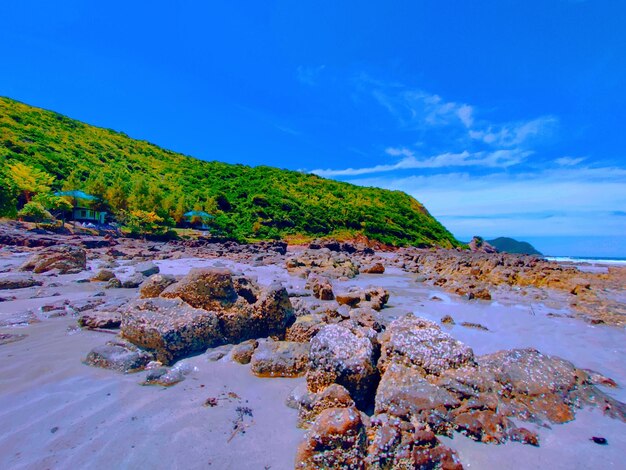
(569, 161)
(512, 134)
(569, 201)
(496, 159)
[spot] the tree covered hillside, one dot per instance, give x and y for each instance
(248, 203)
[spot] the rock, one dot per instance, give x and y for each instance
(103, 275)
(298, 395)
(376, 268)
(404, 393)
(419, 343)
(6, 338)
(367, 318)
(304, 328)
(485, 426)
(206, 288)
(100, 319)
(133, 281)
(119, 356)
(373, 297)
(155, 285)
(18, 281)
(311, 405)
(242, 353)
(114, 283)
(164, 377)
(68, 259)
(322, 262)
(321, 287)
(147, 268)
(215, 354)
(170, 327)
(398, 444)
(339, 356)
(476, 326)
(524, 436)
(280, 359)
(447, 320)
(336, 439)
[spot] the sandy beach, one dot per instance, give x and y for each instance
(56, 412)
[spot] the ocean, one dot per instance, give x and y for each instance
(587, 259)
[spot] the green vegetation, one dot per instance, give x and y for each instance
(510, 245)
(136, 177)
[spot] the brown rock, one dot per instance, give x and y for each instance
(68, 259)
(280, 359)
(339, 356)
(170, 327)
(155, 285)
(336, 439)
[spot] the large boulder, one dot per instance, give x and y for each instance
(280, 359)
(170, 327)
(244, 309)
(337, 439)
(18, 281)
(68, 259)
(207, 288)
(340, 356)
(420, 343)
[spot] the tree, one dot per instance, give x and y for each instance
(29, 180)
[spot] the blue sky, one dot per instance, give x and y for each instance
(502, 117)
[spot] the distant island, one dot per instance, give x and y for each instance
(138, 184)
(510, 245)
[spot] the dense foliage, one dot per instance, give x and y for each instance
(137, 177)
(510, 245)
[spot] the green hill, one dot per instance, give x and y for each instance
(510, 245)
(250, 203)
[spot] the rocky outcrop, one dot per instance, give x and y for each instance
(206, 308)
(244, 310)
(67, 259)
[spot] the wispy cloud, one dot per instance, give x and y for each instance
(496, 159)
(569, 161)
(517, 133)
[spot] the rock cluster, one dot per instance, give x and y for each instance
(422, 383)
(324, 262)
(206, 308)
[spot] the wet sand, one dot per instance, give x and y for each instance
(59, 413)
